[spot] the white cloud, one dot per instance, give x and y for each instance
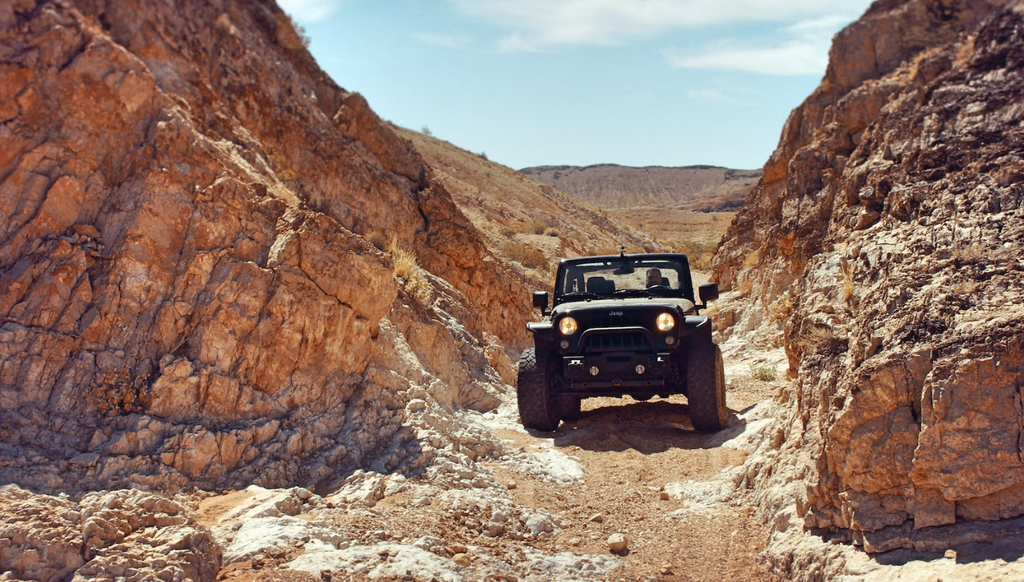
(535, 24)
(448, 41)
(800, 49)
(309, 10)
(789, 59)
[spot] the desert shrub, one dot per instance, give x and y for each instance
(300, 31)
(552, 231)
(822, 340)
(402, 259)
(379, 240)
(117, 391)
(507, 232)
(541, 225)
(426, 131)
(526, 255)
(848, 272)
(763, 373)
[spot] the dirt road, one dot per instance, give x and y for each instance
(542, 508)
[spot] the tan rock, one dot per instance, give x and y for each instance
(618, 543)
(902, 423)
(174, 248)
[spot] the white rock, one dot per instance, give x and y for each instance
(540, 522)
(618, 543)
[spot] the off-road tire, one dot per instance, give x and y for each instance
(705, 383)
(571, 407)
(538, 408)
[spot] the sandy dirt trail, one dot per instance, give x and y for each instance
(643, 472)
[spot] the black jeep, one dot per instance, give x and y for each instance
(622, 324)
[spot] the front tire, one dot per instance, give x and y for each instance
(538, 407)
(705, 382)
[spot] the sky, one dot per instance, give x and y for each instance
(581, 82)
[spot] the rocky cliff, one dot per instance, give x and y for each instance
(187, 291)
(886, 237)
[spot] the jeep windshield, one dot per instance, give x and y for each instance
(624, 276)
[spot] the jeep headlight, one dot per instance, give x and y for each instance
(665, 322)
(567, 326)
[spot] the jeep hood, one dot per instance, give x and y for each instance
(625, 304)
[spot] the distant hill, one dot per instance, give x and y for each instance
(521, 219)
(611, 186)
(687, 208)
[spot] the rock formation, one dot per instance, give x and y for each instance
(187, 291)
(886, 236)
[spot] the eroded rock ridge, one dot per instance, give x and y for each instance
(886, 236)
(188, 294)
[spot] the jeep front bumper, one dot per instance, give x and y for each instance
(616, 371)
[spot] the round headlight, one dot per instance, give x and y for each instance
(665, 322)
(567, 326)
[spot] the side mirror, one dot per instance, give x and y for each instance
(540, 301)
(708, 292)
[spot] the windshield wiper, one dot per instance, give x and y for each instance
(626, 292)
(580, 295)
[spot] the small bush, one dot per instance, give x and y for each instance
(426, 131)
(762, 373)
(507, 232)
(403, 260)
(542, 226)
(552, 231)
(526, 255)
(379, 240)
(300, 31)
(117, 391)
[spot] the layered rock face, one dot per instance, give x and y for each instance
(887, 235)
(187, 294)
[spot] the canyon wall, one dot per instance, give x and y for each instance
(188, 294)
(886, 235)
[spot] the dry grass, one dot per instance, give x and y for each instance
(379, 240)
(526, 255)
(848, 270)
(403, 260)
(541, 225)
(415, 280)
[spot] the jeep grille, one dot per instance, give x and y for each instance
(610, 341)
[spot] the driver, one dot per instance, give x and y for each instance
(654, 277)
